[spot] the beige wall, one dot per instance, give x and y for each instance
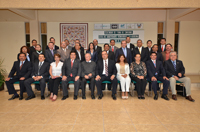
(12, 37)
(189, 46)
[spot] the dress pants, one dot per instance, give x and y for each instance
(92, 85)
(165, 85)
(65, 84)
(185, 80)
(29, 90)
(140, 85)
(53, 85)
(108, 86)
(10, 86)
(106, 78)
(124, 83)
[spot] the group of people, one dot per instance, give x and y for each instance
(59, 66)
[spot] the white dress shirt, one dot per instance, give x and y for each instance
(128, 45)
(104, 71)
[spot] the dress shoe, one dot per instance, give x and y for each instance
(20, 97)
(13, 97)
(42, 97)
(156, 97)
(174, 97)
(75, 97)
(92, 96)
(50, 97)
(30, 97)
(139, 98)
(114, 97)
(54, 99)
(165, 97)
(143, 97)
(189, 98)
(100, 97)
(64, 97)
(83, 97)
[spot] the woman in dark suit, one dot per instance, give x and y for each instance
(92, 52)
(24, 49)
(34, 57)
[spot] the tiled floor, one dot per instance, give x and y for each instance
(96, 115)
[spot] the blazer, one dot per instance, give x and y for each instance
(82, 55)
(129, 55)
(64, 54)
(44, 70)
(115, 48)
(144, 54)
(55, 47)
(70, 47)
(82, 49)
(151, 70)
(132, 47)
(148, 52)
(32, 49)
(24, 72)
(75, 70)
(34, 57)
(159, 57)
(159, 48)
(170, 71)
(98, 50)
(127, 69)
(94, 57)
(111, 68)
(48, 55)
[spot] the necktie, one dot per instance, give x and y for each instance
(112, 48)
(52, 52)
(21, 65)
(174, 63)
(106, 68)
(71, 67)
(40, 64)
(154, 62)
(162, 48)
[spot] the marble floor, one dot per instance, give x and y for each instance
(96, 115)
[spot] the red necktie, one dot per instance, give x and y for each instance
(21, 66)
(162, 47)
(154, 63)
(112, 48)
(71, 67)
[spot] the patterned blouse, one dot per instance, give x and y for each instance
(138, 69)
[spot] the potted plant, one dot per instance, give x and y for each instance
(2, 74)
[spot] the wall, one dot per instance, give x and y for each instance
(12, 37)
(189, 46)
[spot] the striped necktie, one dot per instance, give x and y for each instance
(106, 68)
(174, 63)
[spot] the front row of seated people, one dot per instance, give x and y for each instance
(104, 70)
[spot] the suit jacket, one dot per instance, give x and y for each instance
(55, 47)
(129, 54)
(111, 68)
(115, 48)
(151, 70)
(94, 57)
(159, 48)
(169, 68)
(70, 47)
(82, 55)
(159, 57)
(75, 70)
(98, 50)
(64, 55)
(82, 49)
(48, 55)
(44, 70)
(148, 52)
(32, 49)
(24, 72)
(144, 54)
(34, 57)
(132, 47)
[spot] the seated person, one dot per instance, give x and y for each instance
(39, 73)
(155, 71)
(71, 71)
(106, 71)
(88, 74)
(175, 72)
(22, 68)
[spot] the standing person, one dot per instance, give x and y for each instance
(166, 53)
(49, 53)
(149, 44)
(88, 74)
(32, 48)
(138, 74)
(98, 49)
(20, 71)
(68, 46)
(159, 55)
(162, 46)
(55, 72)
(34, 57)
(63, 51)
(55, 47)
(123, 72)
(78, 41)
(39, 73)
(92, 52)
(71, 71)
(129, 44)
(113, 48)
(79, 53)
(25, 50)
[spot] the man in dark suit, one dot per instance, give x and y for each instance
(149, 48)
(34, 57)
(124, 50)
(68, 46)
(113, 48)
(175, 72)
(55, 47)
(49, 53)
(129, 44)
(106, 71)
(39, 73)
(32, 48)
(79, 53)
(22, 68)
(155, 71)
(142, 51)
(78, 41)
(71, 71)
(159, 55)
(162, 46)
(98, 49)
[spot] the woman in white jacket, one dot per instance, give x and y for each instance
(123, 75)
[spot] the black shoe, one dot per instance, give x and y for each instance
(64, 97)
(30, 97)
(75, 97)
(100, 96)
(114, 97)
(83, 97)
(142, 97)
(42, 97)
(92, 96)
(20, 97)
(156, 97)
(139, 98)
(165, 97)
(13, 97)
